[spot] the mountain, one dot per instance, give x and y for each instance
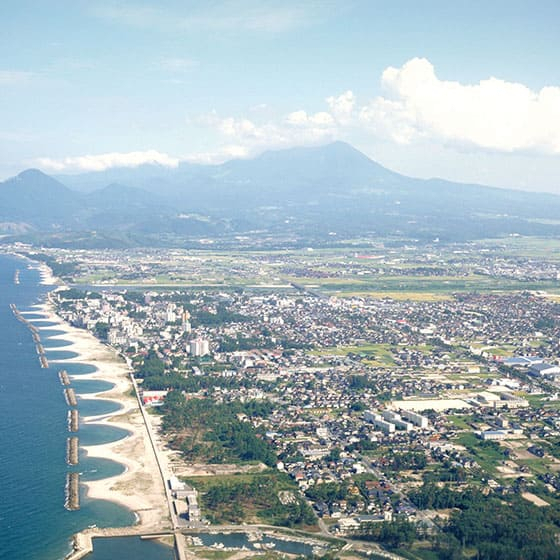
(298, 195)
(269, 177)
(38, 199)
(146, 177)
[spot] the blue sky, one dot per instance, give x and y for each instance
(465, 90)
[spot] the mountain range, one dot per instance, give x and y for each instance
(318, 195)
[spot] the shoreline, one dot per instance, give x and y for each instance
(139, 488)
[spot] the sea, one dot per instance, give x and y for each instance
(34, 524)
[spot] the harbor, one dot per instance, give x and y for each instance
(83, 542)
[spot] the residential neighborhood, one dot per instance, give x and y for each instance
(370, 400)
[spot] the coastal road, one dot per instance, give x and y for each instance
(161, 461)
(165, 475)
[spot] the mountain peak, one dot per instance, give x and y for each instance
(34, 197)
(332, 156)
(338, 146)
(33, 173)
(35, 180)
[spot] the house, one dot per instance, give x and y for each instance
(153, 398)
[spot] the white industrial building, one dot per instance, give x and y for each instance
(415, 418)
(377, 420)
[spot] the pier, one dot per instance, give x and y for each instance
(70, 396)
(72, 491)
(72, 450)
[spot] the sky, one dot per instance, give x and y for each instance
(466, 90)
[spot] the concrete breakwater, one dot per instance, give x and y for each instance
(72, 450)
(82, 545)
(34, 333)
(42, 355)
(73, 420)
(70, 396)
(72, 491)
(63, 376)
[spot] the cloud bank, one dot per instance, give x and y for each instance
(102, 162)
(493, 115)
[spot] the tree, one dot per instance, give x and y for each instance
(101, 330)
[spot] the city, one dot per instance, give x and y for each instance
(352, 412)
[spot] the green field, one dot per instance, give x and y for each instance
(373, 354)
(487, 454)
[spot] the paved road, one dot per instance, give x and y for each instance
(162, 466)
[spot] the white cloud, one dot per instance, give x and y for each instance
(101, 162)
(296, 128)
(240, 128)
(342, 106)
(492, 115)
(302, 119)
(245, 137)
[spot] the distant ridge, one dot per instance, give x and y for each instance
(304, 194)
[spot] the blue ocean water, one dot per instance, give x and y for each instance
(77, 368)
(54, 355)
(96, 407)
(53, 343)
(34, 525)
(88, 386)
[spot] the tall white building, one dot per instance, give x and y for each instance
(185, 322)
(199, 347)
(170, 315)
(377, 420)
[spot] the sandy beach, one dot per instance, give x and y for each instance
(140, 487)
(46, 274)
